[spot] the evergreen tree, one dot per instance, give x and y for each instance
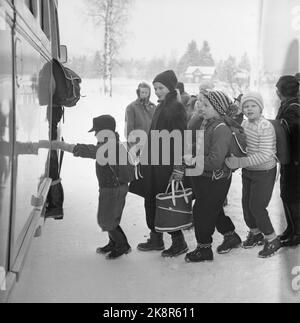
(206, 58)
(190, 58)
(245, 63)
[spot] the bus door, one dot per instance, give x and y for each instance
(32, 75)
(279, 46)
(6, 131)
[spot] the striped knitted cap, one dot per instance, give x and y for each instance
(253, 96)
(220, 102)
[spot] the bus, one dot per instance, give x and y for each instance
(29, 38)
(278, 54)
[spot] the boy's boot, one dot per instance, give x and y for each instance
(154, 243)
(287, 235)
(121, 247)
(253, 240)
(295, 216)
(108, 248)
(231, 241)
(270, 248)
(202, 253)
(178, 246)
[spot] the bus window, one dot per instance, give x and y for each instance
(54, 30)
(45, 17)
(32, 6)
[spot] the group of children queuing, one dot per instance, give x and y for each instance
(214, 112)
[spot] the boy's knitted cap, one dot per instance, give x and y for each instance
(220, 102)
(253, 96)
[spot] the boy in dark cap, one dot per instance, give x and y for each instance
(113, 188)
(287, 90)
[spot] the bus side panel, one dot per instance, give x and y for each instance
(6, 132)
(32, 81)
(280, 34)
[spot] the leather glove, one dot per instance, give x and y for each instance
(178, 174)
(189, 160)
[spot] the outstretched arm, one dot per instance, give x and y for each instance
(57, 144)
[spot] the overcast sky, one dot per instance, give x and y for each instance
(165, 27)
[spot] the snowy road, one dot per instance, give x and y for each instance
(62, 265)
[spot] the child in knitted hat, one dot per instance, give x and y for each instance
(211, 188)
(113, 188)
(259, 174)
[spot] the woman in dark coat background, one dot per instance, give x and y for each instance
(288, 88)
(170, 115)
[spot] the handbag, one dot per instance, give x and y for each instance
(174, 209)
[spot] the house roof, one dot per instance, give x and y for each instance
(209, 70)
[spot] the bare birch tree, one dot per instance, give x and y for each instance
(113, 16)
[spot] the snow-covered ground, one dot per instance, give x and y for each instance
(62, 265)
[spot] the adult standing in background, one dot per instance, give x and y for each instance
(139, 113)
(287, 90)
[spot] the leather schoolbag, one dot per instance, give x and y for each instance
(67, 85)
(283, 152)
(238, 146)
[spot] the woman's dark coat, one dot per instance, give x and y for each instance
(290, 174)
(170, 115)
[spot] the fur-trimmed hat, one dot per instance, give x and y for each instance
(168, 79)
(253, 96)
(288, 86)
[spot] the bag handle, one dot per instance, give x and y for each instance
(135, 163)
(238, 143)
(285, 124)
(173, 190)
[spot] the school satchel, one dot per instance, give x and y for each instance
(283, 154)
(129, 172)
(174, 209)
(238, 146)
(67, 85)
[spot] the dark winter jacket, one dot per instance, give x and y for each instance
(139, 116)
(106, 175)
(170, 115)
(290, 174)
(217, 142)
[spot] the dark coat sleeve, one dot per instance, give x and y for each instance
(85, 151)
(292, 116)
(176, 118)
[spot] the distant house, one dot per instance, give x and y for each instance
(197, 74)
(242, 75)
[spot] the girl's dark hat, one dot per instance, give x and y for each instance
(105, 122)
(168, 79)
